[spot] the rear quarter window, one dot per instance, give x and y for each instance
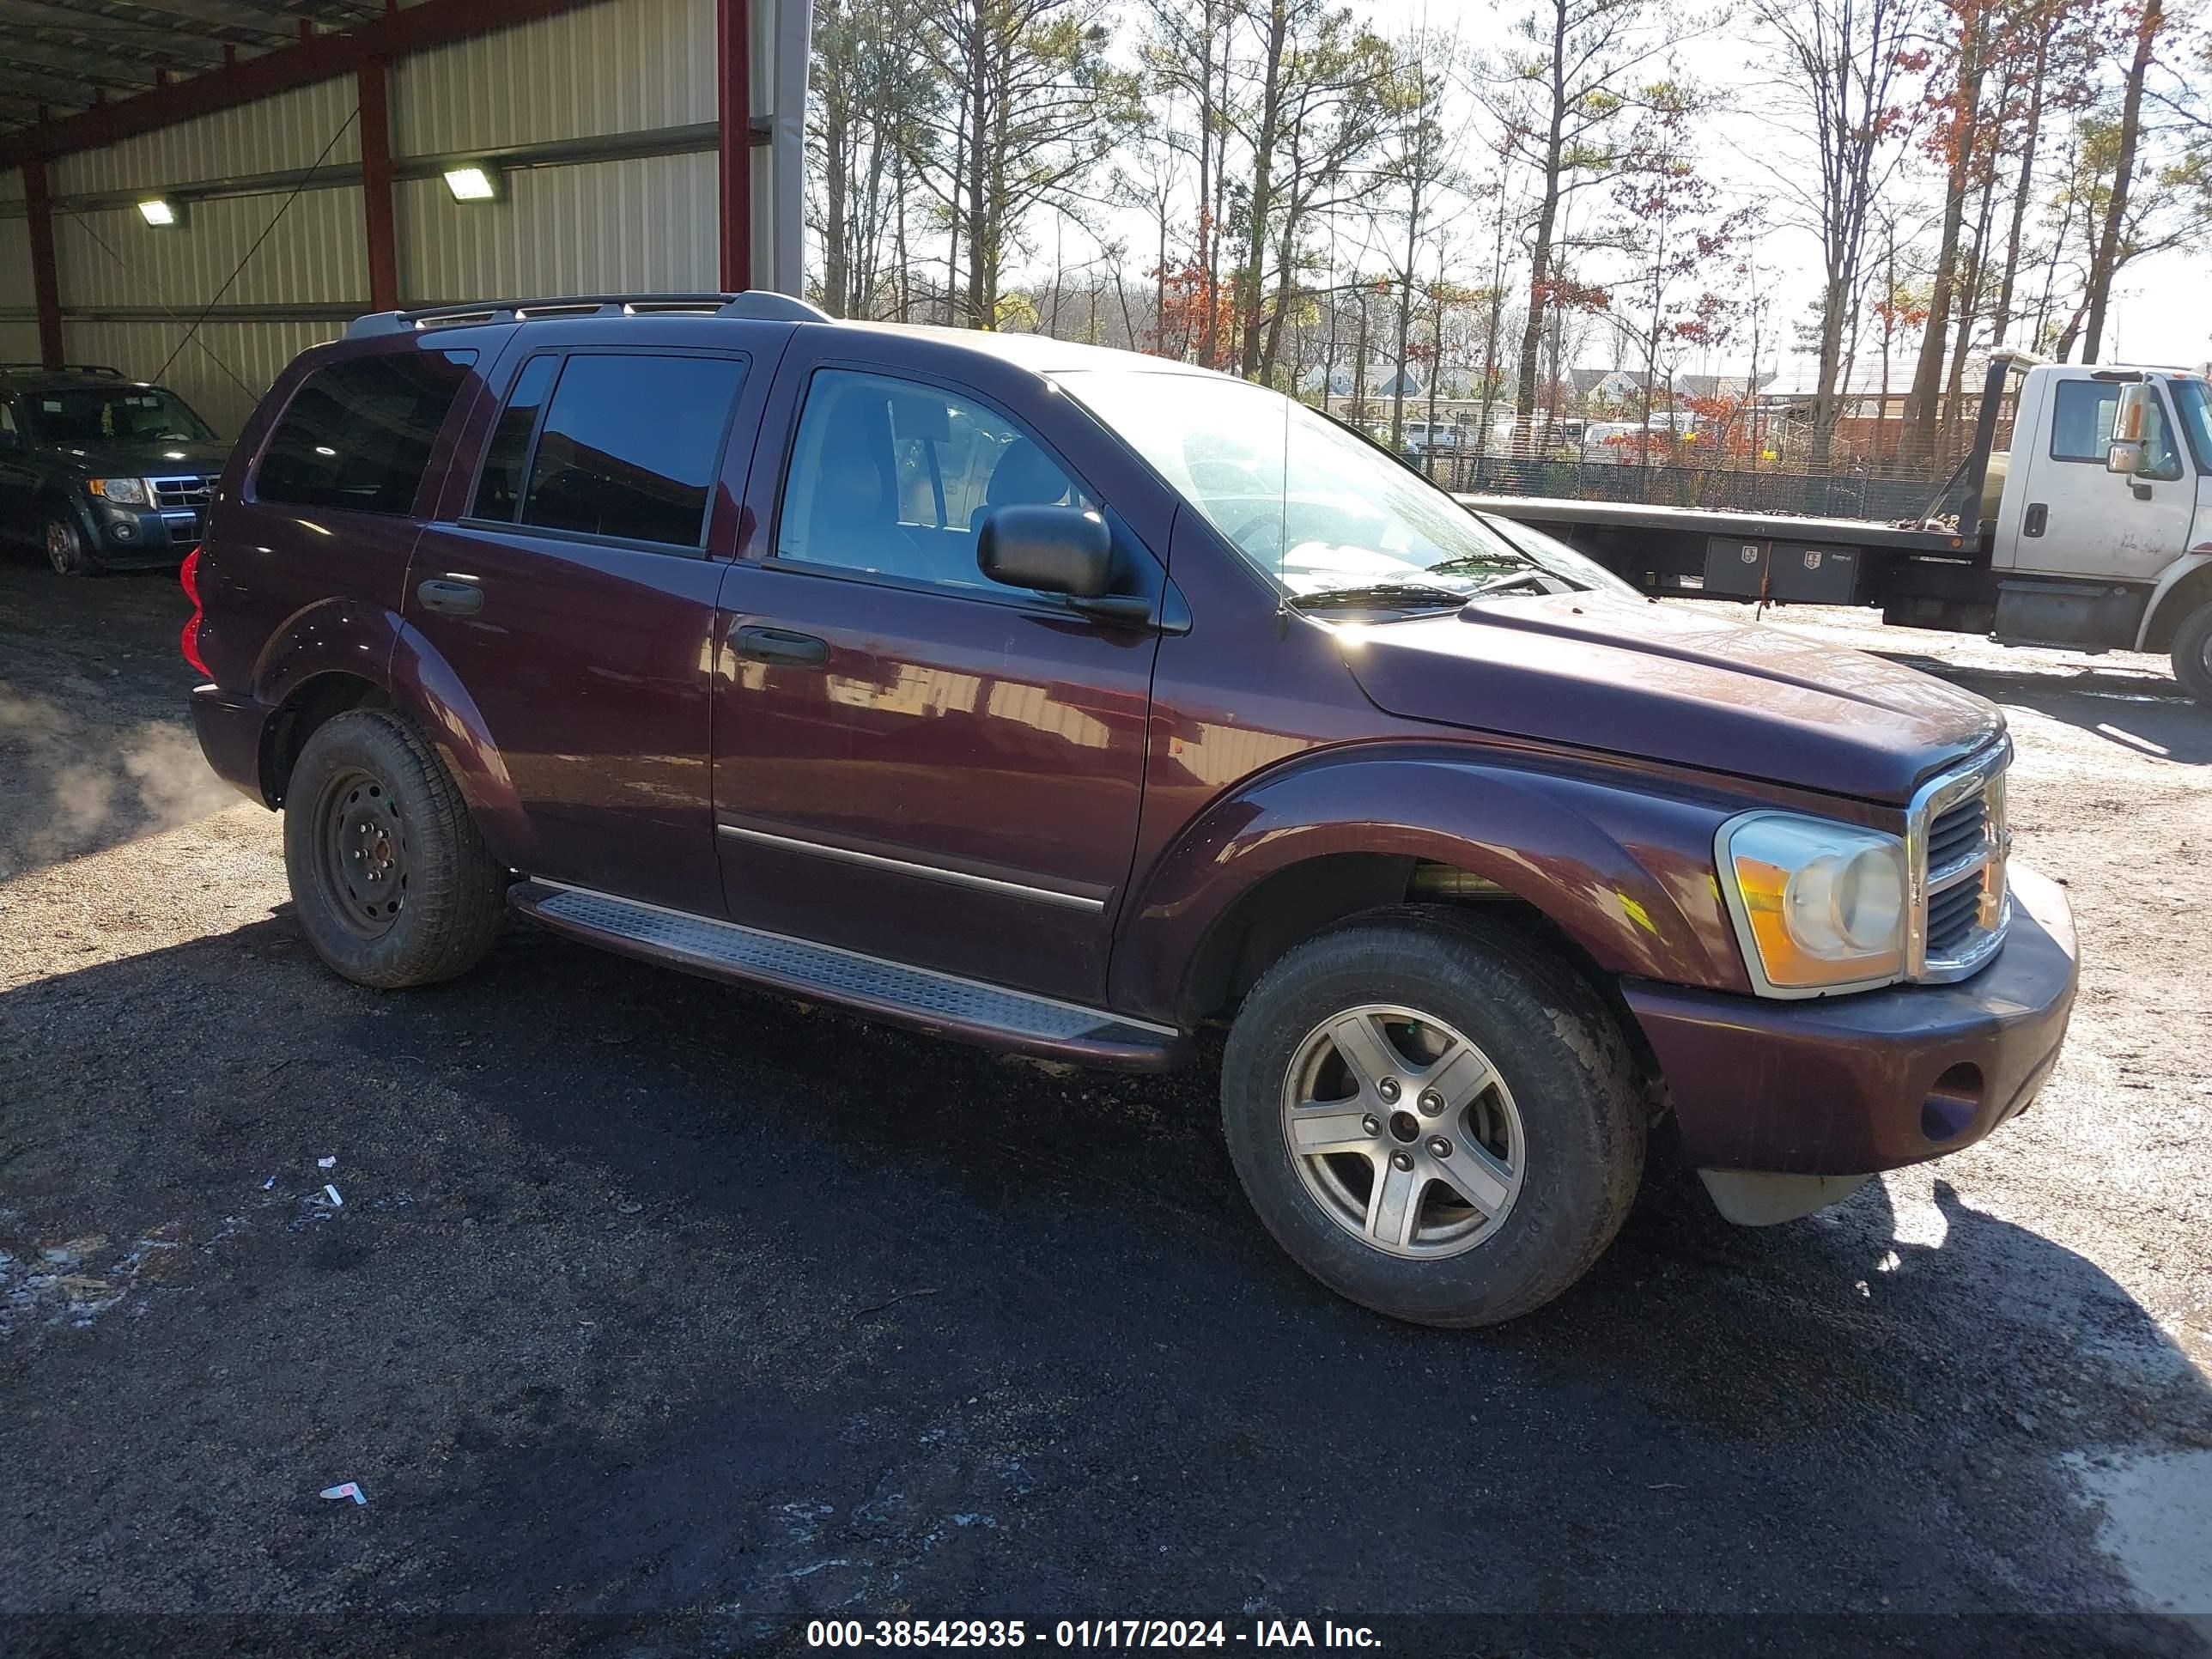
(358, 434)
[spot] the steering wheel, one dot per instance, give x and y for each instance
(1271, 522)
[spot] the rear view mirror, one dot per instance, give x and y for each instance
(2130, 425)
(1053, 549)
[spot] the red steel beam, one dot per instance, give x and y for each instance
(320, 58)
(733, 81)
(45, 284)
(376, 188)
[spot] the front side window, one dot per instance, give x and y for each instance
(2081, 428)
(75, 417)
(629, 446)
(895, 477)
(358, 434)
(2194, 400)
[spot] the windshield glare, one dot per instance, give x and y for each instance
(1309, 505)
(108, 415)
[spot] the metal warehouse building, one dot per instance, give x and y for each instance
(268, 169)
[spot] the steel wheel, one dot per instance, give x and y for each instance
(1403, 1131)
(364, 842)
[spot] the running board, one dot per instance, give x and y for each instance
(921, 999)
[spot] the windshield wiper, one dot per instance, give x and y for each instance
(1381, 594)
(1518, 579)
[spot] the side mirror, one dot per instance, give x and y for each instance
(1054, 550)
(2130, 425)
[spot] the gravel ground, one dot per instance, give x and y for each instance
(646, 1296)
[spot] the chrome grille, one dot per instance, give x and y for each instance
(183, 502)
(1959, 843)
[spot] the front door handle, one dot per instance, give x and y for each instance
(451, 599)
(2038, 514)
(781, 645)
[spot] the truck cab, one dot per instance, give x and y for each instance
(2091, 554)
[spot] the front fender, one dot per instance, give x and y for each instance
(1623, 867)
(2169, 578)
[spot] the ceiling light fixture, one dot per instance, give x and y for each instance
(160, 212)
(473, 181)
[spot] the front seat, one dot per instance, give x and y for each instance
(1023, 477)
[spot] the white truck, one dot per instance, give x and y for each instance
(2092, 530)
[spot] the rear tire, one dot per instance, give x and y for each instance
(65, 549)
(392, 882)
(1480, 1130)
(2192, 654)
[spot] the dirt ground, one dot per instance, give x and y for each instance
(638, 1296)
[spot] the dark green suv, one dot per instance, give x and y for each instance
(101, 471)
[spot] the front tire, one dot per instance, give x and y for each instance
(1435, 1117)
(65, 549)
(392, 882)
(2192, 654)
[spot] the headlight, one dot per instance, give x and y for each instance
(1818, 906)
(124, 492)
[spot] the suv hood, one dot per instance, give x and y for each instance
(1665, 683)
(154, 459)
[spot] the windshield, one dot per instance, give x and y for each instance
(118, 414)
(2194, 399)
(1315, 507)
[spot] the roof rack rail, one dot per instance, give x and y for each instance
(103, 370)
(757, 304)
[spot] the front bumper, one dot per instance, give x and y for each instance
(1854, 1084)
(136, 538)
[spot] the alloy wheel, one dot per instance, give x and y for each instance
(1403, 1131)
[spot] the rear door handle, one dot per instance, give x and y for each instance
(2038, 514)
(451, 599)
(781, 645)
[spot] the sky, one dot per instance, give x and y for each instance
(2162, 306)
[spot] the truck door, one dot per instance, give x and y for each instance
(912, 761)
(568, 586)
(2064, 515)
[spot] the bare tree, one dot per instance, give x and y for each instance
(1034, 106)
(1317, 108)
(2105, 261)
(1417, 168)
(1557, 98)
(1841, 66)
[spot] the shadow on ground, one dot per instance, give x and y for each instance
(648, 1296)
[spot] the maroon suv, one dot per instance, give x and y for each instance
(1065, 700)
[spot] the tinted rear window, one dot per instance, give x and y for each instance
(358, 434)
(500, 486)
(630, 446)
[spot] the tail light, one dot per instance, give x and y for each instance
(189, 641)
